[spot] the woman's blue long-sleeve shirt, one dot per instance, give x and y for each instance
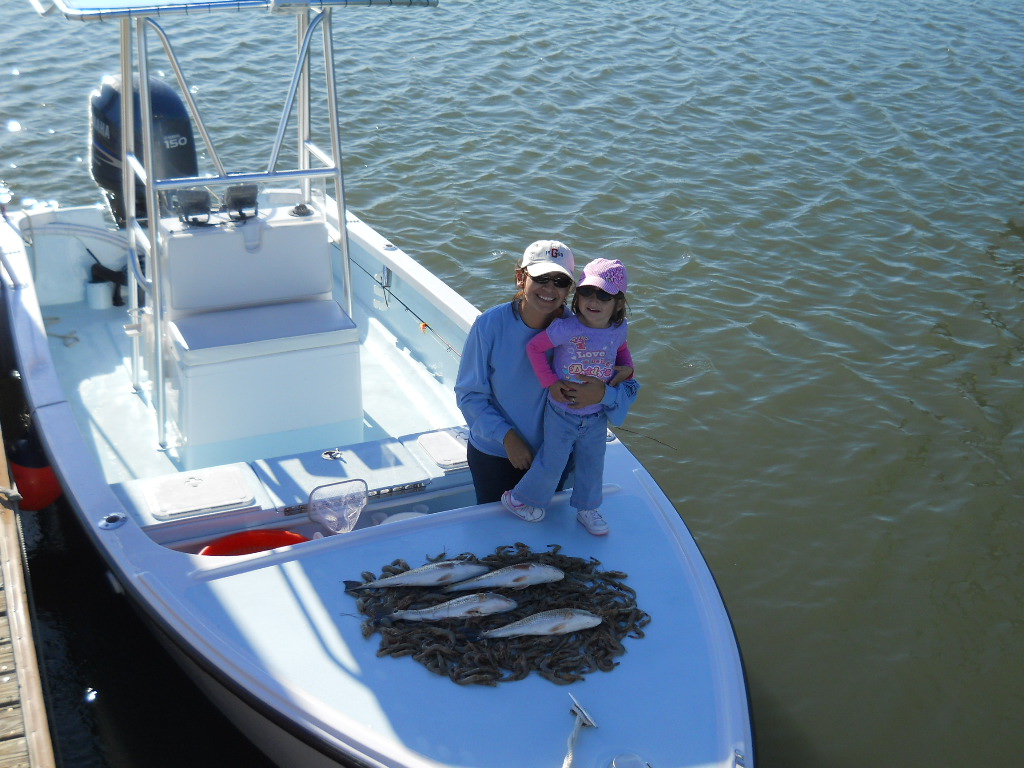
(496, 388)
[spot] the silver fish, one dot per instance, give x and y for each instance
(480, 604)
(430, 575)
(559, 621)
(513, 577)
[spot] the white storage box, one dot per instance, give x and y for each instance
(273, 258)
(239, 374)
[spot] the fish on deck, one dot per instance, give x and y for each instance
(558, 621)
(479, 604)
(430, 575)
(511, 577)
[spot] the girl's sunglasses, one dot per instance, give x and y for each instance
(560, 281)
(589, 291)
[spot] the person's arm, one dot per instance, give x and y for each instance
(623, 366)
(621, 391)
(592, 390)
(622, 355)
(537, 350)
(473, 392)
(520, 455)
(618, 400)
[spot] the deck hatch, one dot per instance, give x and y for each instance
(213, 489)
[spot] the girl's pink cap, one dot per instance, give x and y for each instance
(607, 274)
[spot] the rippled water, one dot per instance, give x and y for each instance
(822, 209)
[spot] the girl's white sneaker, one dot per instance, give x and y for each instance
(522, 511)
(591, 520)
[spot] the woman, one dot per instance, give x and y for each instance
(497, 390)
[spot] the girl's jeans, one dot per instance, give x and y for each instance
(566, 432)
(493, 475)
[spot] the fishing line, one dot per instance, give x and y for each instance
(648, 437)
(424, 325)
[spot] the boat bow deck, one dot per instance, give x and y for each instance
(303, 648)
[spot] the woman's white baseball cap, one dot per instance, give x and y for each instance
(546, 256)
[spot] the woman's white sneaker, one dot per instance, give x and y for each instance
(522, 511)
(591, 520)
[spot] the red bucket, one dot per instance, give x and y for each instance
(248, 542)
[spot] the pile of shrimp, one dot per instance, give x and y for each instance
(445, 649)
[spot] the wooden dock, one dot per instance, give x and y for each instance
(24, 730)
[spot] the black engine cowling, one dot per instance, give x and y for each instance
(173, 142)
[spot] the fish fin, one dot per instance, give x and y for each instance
(352, 586)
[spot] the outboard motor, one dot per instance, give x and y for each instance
(173, 145)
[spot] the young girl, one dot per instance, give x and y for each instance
(591, 342)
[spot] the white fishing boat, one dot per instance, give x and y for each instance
(270, 413)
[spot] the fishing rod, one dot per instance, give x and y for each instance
(385, 286)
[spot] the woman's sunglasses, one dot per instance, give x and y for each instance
(589, 291)
(560, 281)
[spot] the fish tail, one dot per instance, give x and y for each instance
(381, 616)
(352, 586)
(471, 634)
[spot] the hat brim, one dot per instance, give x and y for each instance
(546, 268)
(597, 282)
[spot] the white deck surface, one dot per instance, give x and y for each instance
(95, 375)
(307, 632)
